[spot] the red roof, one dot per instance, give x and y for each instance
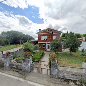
(49, 30)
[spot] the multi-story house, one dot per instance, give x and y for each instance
(46, 36)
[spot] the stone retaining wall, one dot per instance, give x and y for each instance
(64, 72)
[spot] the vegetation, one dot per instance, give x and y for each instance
(74, 60)
(78, 35)
(36, 47)
(82, 82)
(55, 45)
(72, 42)
(83, 52)
(19, 59)
(4, 41)
(28, 47)
(52, 57)
(84, 35)
(13, 37)
(38, 56)
(9, 47)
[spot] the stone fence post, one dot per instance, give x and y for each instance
(84, 67)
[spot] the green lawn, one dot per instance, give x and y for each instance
(9, 47)
(74, 60)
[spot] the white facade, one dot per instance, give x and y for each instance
(82, 46)
(44, 37)
(54, 37)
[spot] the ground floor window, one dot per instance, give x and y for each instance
(44, 45)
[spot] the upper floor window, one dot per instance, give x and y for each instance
(54, 37)
(44, 37)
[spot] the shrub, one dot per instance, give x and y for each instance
(28, 47)
(37, 56)
(83, 53)
(53, 56)
(19, 59)
(36, 47)
(55, 45)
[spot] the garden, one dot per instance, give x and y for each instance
(71, 60)
(28, 51)
(28, 54)
(72, 57)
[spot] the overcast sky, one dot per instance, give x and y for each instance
(28, 16)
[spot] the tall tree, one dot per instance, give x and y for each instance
(78, 35)
(15, 37)
(72, 42)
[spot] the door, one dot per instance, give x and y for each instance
(48, 47)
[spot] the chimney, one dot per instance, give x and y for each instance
(39, 30)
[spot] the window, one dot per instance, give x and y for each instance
(44, 45)
(44, 37)
(54, 37)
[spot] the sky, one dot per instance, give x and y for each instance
(28, 16)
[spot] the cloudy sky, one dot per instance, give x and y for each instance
(28, 16)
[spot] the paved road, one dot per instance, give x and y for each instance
(8, 80)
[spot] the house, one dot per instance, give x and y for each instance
(82, 39)
(34, 42)
(82, 46)
(46, 36)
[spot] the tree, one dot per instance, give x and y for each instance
(72, 42)
(55, 45)
(3, 41)
(15, 37)
(84, 35)
(78, 35)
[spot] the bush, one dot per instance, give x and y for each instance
(55, 45)
(27, 54)
(37, 56)
(19, 59)
(36, 47)
(28, 47)
(83, 53)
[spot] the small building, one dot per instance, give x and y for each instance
(46, 36)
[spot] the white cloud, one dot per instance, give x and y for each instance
(19, 23)
(17, 3)
(64, 13)
(69, 13)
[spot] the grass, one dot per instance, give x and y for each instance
(9, 47)
(74, 60)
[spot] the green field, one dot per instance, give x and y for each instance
(8, 47)
(74, 60)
